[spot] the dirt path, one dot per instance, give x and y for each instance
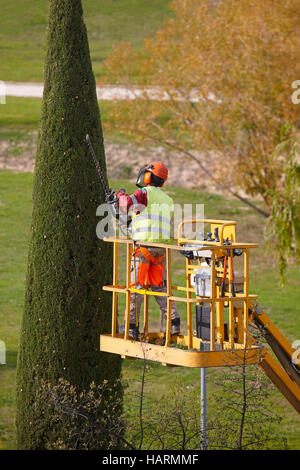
(123, 161)
(104, 93)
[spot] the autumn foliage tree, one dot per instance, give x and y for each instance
(218, 77)
(283, 227)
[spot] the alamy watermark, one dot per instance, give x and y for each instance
(2, 92)
(296, 353)
(296, 95)
(109, 226)
(2, 352)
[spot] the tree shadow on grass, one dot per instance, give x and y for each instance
(11, 360)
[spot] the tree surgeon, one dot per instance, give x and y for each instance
(152, 212)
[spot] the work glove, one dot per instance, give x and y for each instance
(120, 192)
(110, 196)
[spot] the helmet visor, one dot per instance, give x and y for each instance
(140, 177)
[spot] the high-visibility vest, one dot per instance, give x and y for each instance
(154, 223)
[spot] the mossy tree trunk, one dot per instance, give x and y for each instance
(65, 308)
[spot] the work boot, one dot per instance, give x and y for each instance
(175, 326)
(133, 330)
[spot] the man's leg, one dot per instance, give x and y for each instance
(162, 302)
(136, 301)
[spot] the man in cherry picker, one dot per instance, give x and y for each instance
(152, 211)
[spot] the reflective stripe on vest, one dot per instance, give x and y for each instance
(153, 230)
(154, 224)
(134, 199)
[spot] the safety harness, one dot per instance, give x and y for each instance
(151, 268)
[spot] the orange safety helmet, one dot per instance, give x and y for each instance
(156, 173)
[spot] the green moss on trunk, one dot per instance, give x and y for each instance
(65, 307)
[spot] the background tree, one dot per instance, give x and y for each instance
(240, 412)
(65, 308)
(241, 415)
(222, 75)
(283, 227)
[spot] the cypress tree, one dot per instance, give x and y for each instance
(65, 308)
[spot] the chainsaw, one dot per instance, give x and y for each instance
(110, 194)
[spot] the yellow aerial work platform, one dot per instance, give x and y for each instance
(229, 342)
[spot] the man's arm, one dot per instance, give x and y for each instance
(138, 198)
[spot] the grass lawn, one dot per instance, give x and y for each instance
(20, 116)
(282, 303)
(23, 32)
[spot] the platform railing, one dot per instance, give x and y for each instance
(237, 331)
(226, 228)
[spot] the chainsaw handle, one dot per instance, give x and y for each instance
(223, 279)
(231, 277)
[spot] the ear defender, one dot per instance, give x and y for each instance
(155, 174)
(147, 177)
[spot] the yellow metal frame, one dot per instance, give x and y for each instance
(226, 228)
(235, 346)
(232, 347)
(221, 348)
